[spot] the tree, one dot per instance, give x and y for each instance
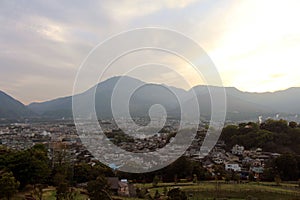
(175, 179)
(227, 178)
(82, 172)
(195, 179)
(61, 190)
(227, 133)
(201, 172)
(251, 176)
(65, 192)
(277, 180)
(30, 166)
(182, 168)
(155, 181)
(275, 125)
(62, 172)
(141, 193)
(8, 185)
(272, 135)
(98, 189)
(219, 171)
(293, 124)
(287, 167)
(176, 194)
(62, 164)
(165, 190)
(37, 192)
(156, 195)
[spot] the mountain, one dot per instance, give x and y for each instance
(10, 108)
(57, 108)
(240, 105)
(285, 101)
(140, 102)
(237, 106)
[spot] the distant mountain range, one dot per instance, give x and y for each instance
(11, 108)
(240, 105)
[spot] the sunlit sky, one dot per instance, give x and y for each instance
(255, 44)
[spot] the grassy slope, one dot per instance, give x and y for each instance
(208, 190)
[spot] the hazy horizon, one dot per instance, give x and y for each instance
(253, 44)
(70, 94)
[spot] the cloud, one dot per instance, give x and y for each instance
(126, 10)
(249, 41)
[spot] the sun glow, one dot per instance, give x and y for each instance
(258, 52)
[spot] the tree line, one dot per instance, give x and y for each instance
(272, 135)
(278, 136)
(33, 169)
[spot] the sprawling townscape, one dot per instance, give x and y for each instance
(244, 153)
(56, 134)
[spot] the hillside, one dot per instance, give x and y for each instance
(11, 108)
(240, 105)
(146, 96)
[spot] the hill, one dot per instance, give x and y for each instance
(11, 108)
(272, 136)
(240, 105)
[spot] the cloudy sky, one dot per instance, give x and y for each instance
(254, 44)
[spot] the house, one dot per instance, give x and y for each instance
(237, 150)
(218, 160)
(113, 182)
(244, 174)
(121, 188)
(257, 163)
(263, 157)
(275, 155)
(232, 158)
(207, 163)
(247, 160)
(220, 144)
(232, 167)
(217, 153)
(257, 171)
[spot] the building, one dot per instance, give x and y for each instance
(257, 171)
(237, 150)
(121, 188)
(232, 167)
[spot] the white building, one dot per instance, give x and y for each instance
(237, 150)
(233, 166)
(218, 161)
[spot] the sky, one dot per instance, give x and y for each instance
(254, 44)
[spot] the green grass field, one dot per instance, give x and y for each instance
(211, 190)
(48, 194)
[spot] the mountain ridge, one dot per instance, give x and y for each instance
(241, 105)
(10, 108)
